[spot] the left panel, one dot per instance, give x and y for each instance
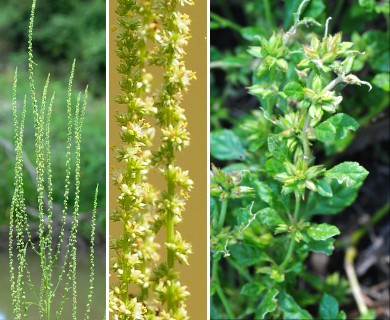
(52, 155)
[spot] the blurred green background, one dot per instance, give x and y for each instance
(64, 30)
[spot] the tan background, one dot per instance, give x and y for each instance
(194, 158)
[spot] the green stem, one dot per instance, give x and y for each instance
(292, 237)
(224, 22)
(170, 227)
(222, 214)
(241, 270)
(219, 290)
(124, 285)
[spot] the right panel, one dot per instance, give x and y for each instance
(298, 110)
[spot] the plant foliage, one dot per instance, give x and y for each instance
(263, 200)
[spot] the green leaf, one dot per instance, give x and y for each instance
(252, 289)
(269, 217)
(243, 215)
(247, 255)
(335, 128)
(250, 33)
(265, 192)
(324, 246)
(294, 90)
(278, 148)
(323, 188)
(322, 231)
(291, 309)
(225, 145)
(274, 167)
(329, 308)
(268, 304)
(349, 172)
(255, 51)
(342, 198)
(381, 80)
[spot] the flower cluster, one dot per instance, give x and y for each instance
(151, 35)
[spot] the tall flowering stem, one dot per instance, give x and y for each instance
(151, 36)
(57, 251)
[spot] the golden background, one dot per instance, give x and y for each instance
(194, 158)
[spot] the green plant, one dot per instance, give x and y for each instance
(57, 253)
(263, 201)
(150, 36)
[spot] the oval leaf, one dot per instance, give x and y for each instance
(349, 172)
(269, 217)
(329, 308)
(322, 231)
(294, 90)
(225, 145)
(335, 128)
(291, 309)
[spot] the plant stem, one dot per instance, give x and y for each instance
(292, 240)
(224, 22)
(297, 208)
(241, 270)
(353, 280)
(170, 227)
(222, 214)
(219, 290)
(333, 83)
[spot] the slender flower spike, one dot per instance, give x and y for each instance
(150, 35)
